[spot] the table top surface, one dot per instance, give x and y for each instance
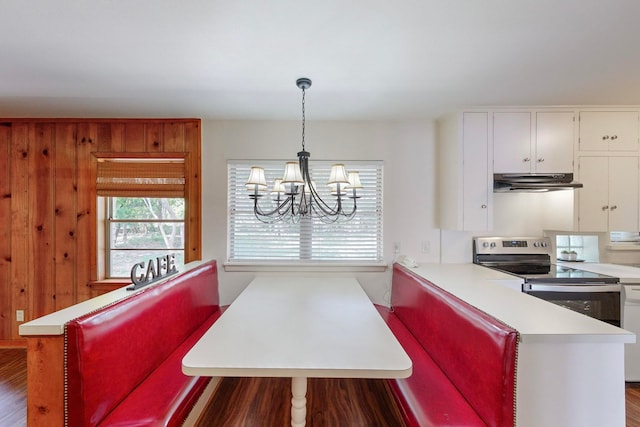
(299, 326)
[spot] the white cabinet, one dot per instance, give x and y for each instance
(609, 198)
(512, 142)
(466, 186)
(533, 142)
(554, 142)
(608, 131)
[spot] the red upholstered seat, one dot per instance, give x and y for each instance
(474, 351)
(166, 396)
(427, 397)
(137, 343)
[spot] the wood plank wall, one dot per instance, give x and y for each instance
(48, 225)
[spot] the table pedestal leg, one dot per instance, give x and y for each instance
(298, 401)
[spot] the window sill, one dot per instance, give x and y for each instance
(305, 267)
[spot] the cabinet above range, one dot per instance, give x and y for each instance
(533, 142)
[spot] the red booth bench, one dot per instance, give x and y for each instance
(123, 362)
(464, 361)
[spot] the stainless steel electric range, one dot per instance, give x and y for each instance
(592, 294)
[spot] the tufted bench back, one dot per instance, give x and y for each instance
(474, 350)
(112, 350)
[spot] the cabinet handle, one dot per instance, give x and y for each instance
(483, 206)
(605, 137)
(604, 208)
(614, 207)
(614, 137)
(526, 159)
(540, 160)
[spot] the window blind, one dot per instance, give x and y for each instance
(357, 240)
(141, 178)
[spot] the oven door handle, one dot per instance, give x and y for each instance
(539, 287)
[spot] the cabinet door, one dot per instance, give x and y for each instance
(476, 188)
(554, 142)
(623, 194)
(512, 142)
(608, 131)
(593, 214)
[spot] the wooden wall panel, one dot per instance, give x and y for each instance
(6, 314)
(174, 137)
(154, 137)
(109, 137)
(65, 218)
(134, 137)
(194, 189)
(41, 194)
(21, 259)
(48, 204)
(86, 239)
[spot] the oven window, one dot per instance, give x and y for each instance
(603, 306)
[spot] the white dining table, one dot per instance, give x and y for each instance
(299, 327)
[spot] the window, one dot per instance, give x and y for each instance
(142, 228)
(145, 206)
(585, 246)
(624, 237)
(355, 241)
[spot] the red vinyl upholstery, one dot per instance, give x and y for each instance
(474, 352)
(124, 360)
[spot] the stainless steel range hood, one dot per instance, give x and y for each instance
(533, 182)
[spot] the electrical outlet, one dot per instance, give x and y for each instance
(425, 246)
(396, 248)
(19, 315)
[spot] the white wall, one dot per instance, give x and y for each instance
(406, 147)
(514, 214)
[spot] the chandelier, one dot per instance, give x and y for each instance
(295, 195)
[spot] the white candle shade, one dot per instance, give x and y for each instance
(338, 174)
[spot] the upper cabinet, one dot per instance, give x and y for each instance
(608, 131)
(533, 142)
(466, 192)
(609, 199)
(512, 142)
(554, 142)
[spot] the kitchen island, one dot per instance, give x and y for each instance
(570, 368)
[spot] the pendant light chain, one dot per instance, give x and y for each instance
(303, 118)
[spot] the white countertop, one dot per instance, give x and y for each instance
(53, 324)
(626, 273)
(535, 319)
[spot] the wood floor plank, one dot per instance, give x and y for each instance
(13, 387)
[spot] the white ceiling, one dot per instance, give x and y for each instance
(368, 59)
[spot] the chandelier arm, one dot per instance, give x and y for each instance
(278, 209)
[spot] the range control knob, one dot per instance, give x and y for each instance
(544, 244)
(493, 244)
(485, 245)
(536, 244)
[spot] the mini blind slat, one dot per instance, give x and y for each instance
(140, 178)
(357, 240)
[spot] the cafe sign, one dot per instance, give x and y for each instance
(145, 273)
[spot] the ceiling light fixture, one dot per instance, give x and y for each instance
(295, 195)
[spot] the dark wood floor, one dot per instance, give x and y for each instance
(13, 387)
(244, 402)
(247, 402)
